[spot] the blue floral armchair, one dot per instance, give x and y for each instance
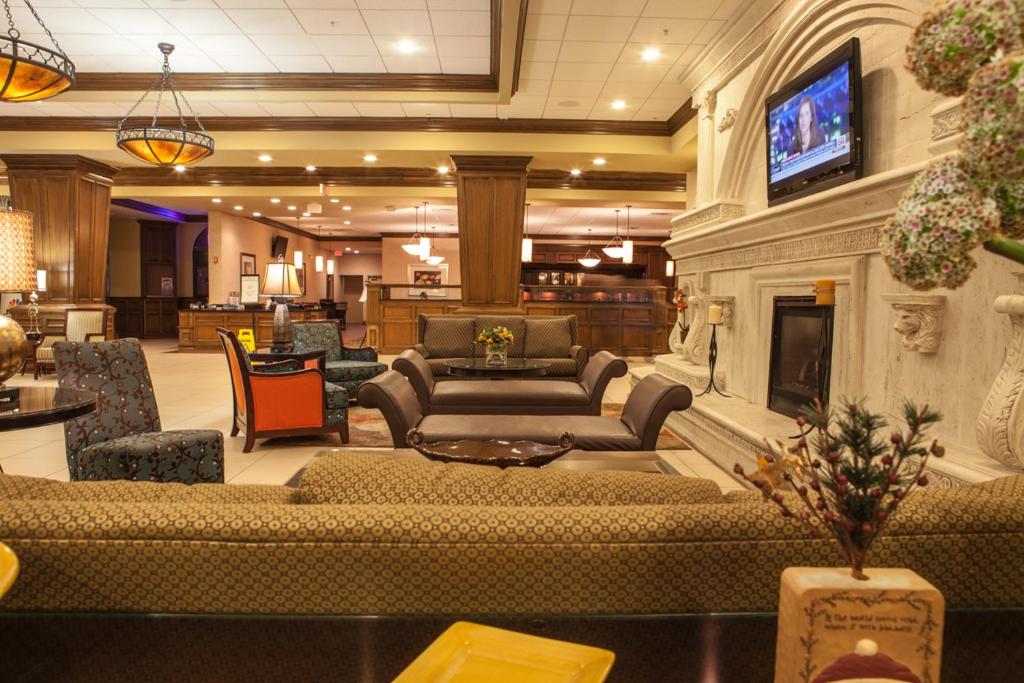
(345, 367)
(122, 439)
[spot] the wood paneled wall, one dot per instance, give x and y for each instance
(198, 329)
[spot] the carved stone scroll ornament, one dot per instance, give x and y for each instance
(675, 340)
(918, 320)
(728, 120)
(1000, 425)
(695, 348)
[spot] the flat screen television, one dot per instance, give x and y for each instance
(814, 129)
(279, 246)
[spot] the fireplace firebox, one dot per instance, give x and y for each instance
(801, 359)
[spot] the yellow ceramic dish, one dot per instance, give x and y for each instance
(471, 653)
(8, 568)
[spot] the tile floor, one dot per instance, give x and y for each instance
(193, 393)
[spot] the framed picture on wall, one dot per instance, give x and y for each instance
(429, 278)
(250, 290)
(569, 279)
(542, 278)
(556, 278)
(248, 264)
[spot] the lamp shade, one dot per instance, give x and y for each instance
(362, 297)
(627, 251)
(297, 256)
(670, 268)
(280, 280)
(330, 267)
(527, 254)
(318, 263)
(40, 280)
(32, 72)
(17, 252)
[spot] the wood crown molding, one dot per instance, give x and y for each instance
(129, 82)
(490, 163)
(59, 162)
(524, 8)
(359, 176)
(681, 117)
(268, 124)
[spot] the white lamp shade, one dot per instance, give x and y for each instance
(412, 249)
(280, 279)
(670, 268)
(362, 297)
(298, 258)
(319, 264)
(527, 250)
(435, 260)
(330, 267)
(627, 251)
(17, 252)
(424, 248)
(40, 280)
(589, 261)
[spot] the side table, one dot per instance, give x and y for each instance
(316, 358)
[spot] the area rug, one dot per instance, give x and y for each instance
(368, 429)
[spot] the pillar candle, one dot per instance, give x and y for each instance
(825, 292)
(714, 314)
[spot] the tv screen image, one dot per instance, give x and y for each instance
(813, 127)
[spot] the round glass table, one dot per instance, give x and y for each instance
(514, 367)
(22, 407)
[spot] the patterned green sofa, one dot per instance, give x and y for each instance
(345, 367)
(550, 338)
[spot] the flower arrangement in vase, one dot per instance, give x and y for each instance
(848, 480)
(495, 341)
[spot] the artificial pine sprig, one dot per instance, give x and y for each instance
(848, 479)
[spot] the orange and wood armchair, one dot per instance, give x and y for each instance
(281, 399)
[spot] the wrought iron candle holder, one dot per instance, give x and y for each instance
(712, 360)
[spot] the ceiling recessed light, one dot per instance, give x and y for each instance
(180, 168)
(275, 200)
(239, 207)
(335, 200)
(265, 158)
(370, 157)
(356, 251)
(346, 208)
(216, 200)
(306, 214)
(406, 47)
(599, 161)
(651, 54)
(575, 172)
(292, 207)
(348, 222)
(257, 214)
(310, 167)
(348, 248)
(618, 104)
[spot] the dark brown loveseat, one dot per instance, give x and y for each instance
(549, 338)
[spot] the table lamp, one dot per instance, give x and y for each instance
(281, 283)
(17, 274)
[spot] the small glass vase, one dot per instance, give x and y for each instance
(496, 354)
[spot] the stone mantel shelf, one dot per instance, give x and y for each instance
(860, 204)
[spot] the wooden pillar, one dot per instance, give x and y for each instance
(492, 193)
(69, 197)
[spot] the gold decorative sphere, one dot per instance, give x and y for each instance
(14, 347)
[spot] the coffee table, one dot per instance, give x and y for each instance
(514, 367)
(629, 461)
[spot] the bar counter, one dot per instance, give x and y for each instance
(197, 328)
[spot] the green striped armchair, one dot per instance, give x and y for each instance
(80, 325)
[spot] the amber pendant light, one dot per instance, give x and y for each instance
(159, 145)
(30, 72)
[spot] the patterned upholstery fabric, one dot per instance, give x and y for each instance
(374, 479)
(562, 367)
(33, 488)
(122, 438)
(449, 337)
(337, 404)
(515, 325)
(352, 373)
(323, 336)
(215, 558)
(345, 367)
(83, 322)
(548, 338)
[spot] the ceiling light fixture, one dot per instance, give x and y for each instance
(590, 259)
(651, 54)
(239, 207)
(424, 238)
(406, 47)
(618, 104)
(335, 200)
(265, 158)
(310, 167)
(575, 172)
(599, 161)
(433, 260)
(443, 170)
(627, 244)
(356, 251)
(180, 168)
(347, 222)
(306, 214)
(614, 246)
(346, 208)
(670, 268)
(370, 158)
(527, 254)
(292, 207)
(275, 200)
(348, 248)
(413, 246)
(330, 267)
(32, 72)
(216, 200)
(160, 145)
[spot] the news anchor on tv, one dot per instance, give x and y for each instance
(807, 135)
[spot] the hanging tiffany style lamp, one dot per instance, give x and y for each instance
(28, 71)
(160, 145)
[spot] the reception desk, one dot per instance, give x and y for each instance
(197, 329)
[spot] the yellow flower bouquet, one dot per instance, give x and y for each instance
(495, 341)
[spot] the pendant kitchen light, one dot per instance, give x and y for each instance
(160, 145)
(590, 259)
(32, 72)
(614, 246)
(627, 244)
(319, 260)
(527, 242)
(297, 256)
(413, 247)
(424, 238)
(433, 260)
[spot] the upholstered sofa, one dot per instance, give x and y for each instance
(366, 535)
(643, 415)
(513, 396)
(549, 338)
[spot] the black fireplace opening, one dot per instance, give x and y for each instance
(801, 361)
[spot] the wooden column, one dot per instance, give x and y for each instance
(69, 197)
(491, 192)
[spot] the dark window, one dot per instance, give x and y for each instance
(801, 354)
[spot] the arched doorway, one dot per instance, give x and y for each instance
(201, 266)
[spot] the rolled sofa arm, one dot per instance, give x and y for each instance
(582, 356)
(649, 405)
(395, 398)
(420, 349)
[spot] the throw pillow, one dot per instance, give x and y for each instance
(548, 338)
(447, 337)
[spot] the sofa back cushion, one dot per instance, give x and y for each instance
(319, 334)
(375, 478)
(515, 325)
(548, 337)
(33, 488)
(448, 336)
